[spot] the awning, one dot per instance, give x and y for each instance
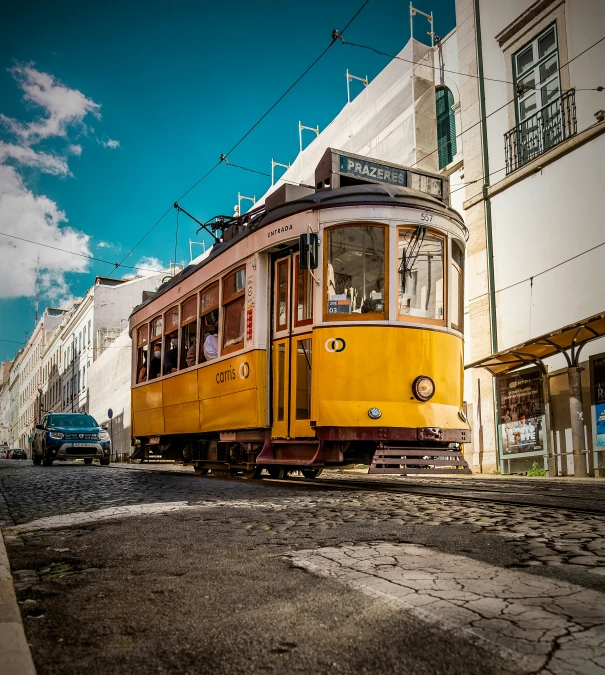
(569, 338)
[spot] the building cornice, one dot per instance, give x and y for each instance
(528, 16)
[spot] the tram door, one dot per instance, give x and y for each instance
(291, 349)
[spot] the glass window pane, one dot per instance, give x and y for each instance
(550, 91)
(188, 310)
(156, 327)
(209, 299)
(420, 257)
(356, 270)
(172, 319)
(528, 83)
(282, 294)
(525, 59)
(303, 379)
(528, 106)
(234, 284)
(547, 43)
(304, 296)
(142, 335)
(188, 345)
(281, 378)
(233, 333)
(548, 68)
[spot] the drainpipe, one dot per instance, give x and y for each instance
(488, 219)
(486, 200)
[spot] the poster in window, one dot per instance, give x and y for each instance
(598, 398)
(521, 423)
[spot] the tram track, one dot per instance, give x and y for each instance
(521, 496)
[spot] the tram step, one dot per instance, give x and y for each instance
(418, 460)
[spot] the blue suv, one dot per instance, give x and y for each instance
(70, 436)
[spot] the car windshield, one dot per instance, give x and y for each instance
(72, 421)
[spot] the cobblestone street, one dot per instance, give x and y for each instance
(492, 587)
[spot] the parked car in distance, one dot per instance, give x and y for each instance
(17, 453)
(65, 436)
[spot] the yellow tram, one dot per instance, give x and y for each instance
(323, 329)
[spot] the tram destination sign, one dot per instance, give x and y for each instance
(338, 168)
(372, 171)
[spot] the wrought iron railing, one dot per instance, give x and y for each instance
(535, 135)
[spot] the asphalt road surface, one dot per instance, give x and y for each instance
(121, 571)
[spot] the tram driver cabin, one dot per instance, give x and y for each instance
(337, 319)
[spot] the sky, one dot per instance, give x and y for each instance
(110, 111)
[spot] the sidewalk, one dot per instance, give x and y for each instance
(15, 657)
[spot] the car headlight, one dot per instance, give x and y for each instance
(56, 434)
(423, 388)
(103, 436)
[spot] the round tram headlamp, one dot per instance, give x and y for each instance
(423, 388)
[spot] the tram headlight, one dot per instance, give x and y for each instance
(423, 388)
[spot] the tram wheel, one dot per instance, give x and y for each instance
(251, 474)
(201, 471)
(311, 473)
(277, 472)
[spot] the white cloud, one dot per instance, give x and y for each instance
(27, 156)
(113, 145)
(35, 217)
(39, 219)
(63, 106)
(146, 267)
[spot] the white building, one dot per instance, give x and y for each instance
(535, 215)
(5, 368)
(109, 384)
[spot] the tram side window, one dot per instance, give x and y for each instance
(420, 276)
(356, 272)
(457, 285)
(304, 296)
(188, 333)
(142, 352)
(234, 310)
(209, 324)
(155, 348)
(171, 340)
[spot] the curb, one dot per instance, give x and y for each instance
(15, 656)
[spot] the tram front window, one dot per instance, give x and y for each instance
(420, 276)
(356, 272)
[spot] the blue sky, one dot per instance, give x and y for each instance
(145, 97)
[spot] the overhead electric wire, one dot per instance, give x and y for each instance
(81, 255)
(263, 173)
(250, 130)
(453, 72)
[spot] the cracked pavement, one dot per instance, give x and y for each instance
(397, 582)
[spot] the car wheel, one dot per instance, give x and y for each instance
(104, 461)
(87, 460)
(37, 460)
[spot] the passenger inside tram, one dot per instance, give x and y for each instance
(210, 330)
(155, 364)
(171, 354)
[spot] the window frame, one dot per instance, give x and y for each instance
(538, 84)
(460, 270)
(409, 318)
(307, 288)
(283, 263)
(226, 303)
(369, 316)
(201, 359)
(453, 146)
(182, 363)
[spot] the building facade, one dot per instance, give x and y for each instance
(534, 207)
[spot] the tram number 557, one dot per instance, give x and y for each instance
(426, 217)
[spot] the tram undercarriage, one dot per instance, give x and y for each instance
(249, 452)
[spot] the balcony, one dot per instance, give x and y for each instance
(542, 131)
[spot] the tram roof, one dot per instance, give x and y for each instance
(354, 195)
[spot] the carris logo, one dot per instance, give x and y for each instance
(225, 376)
(244, 370)
(335, 345)
(279, 230)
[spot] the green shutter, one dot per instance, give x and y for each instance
(446, 126)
